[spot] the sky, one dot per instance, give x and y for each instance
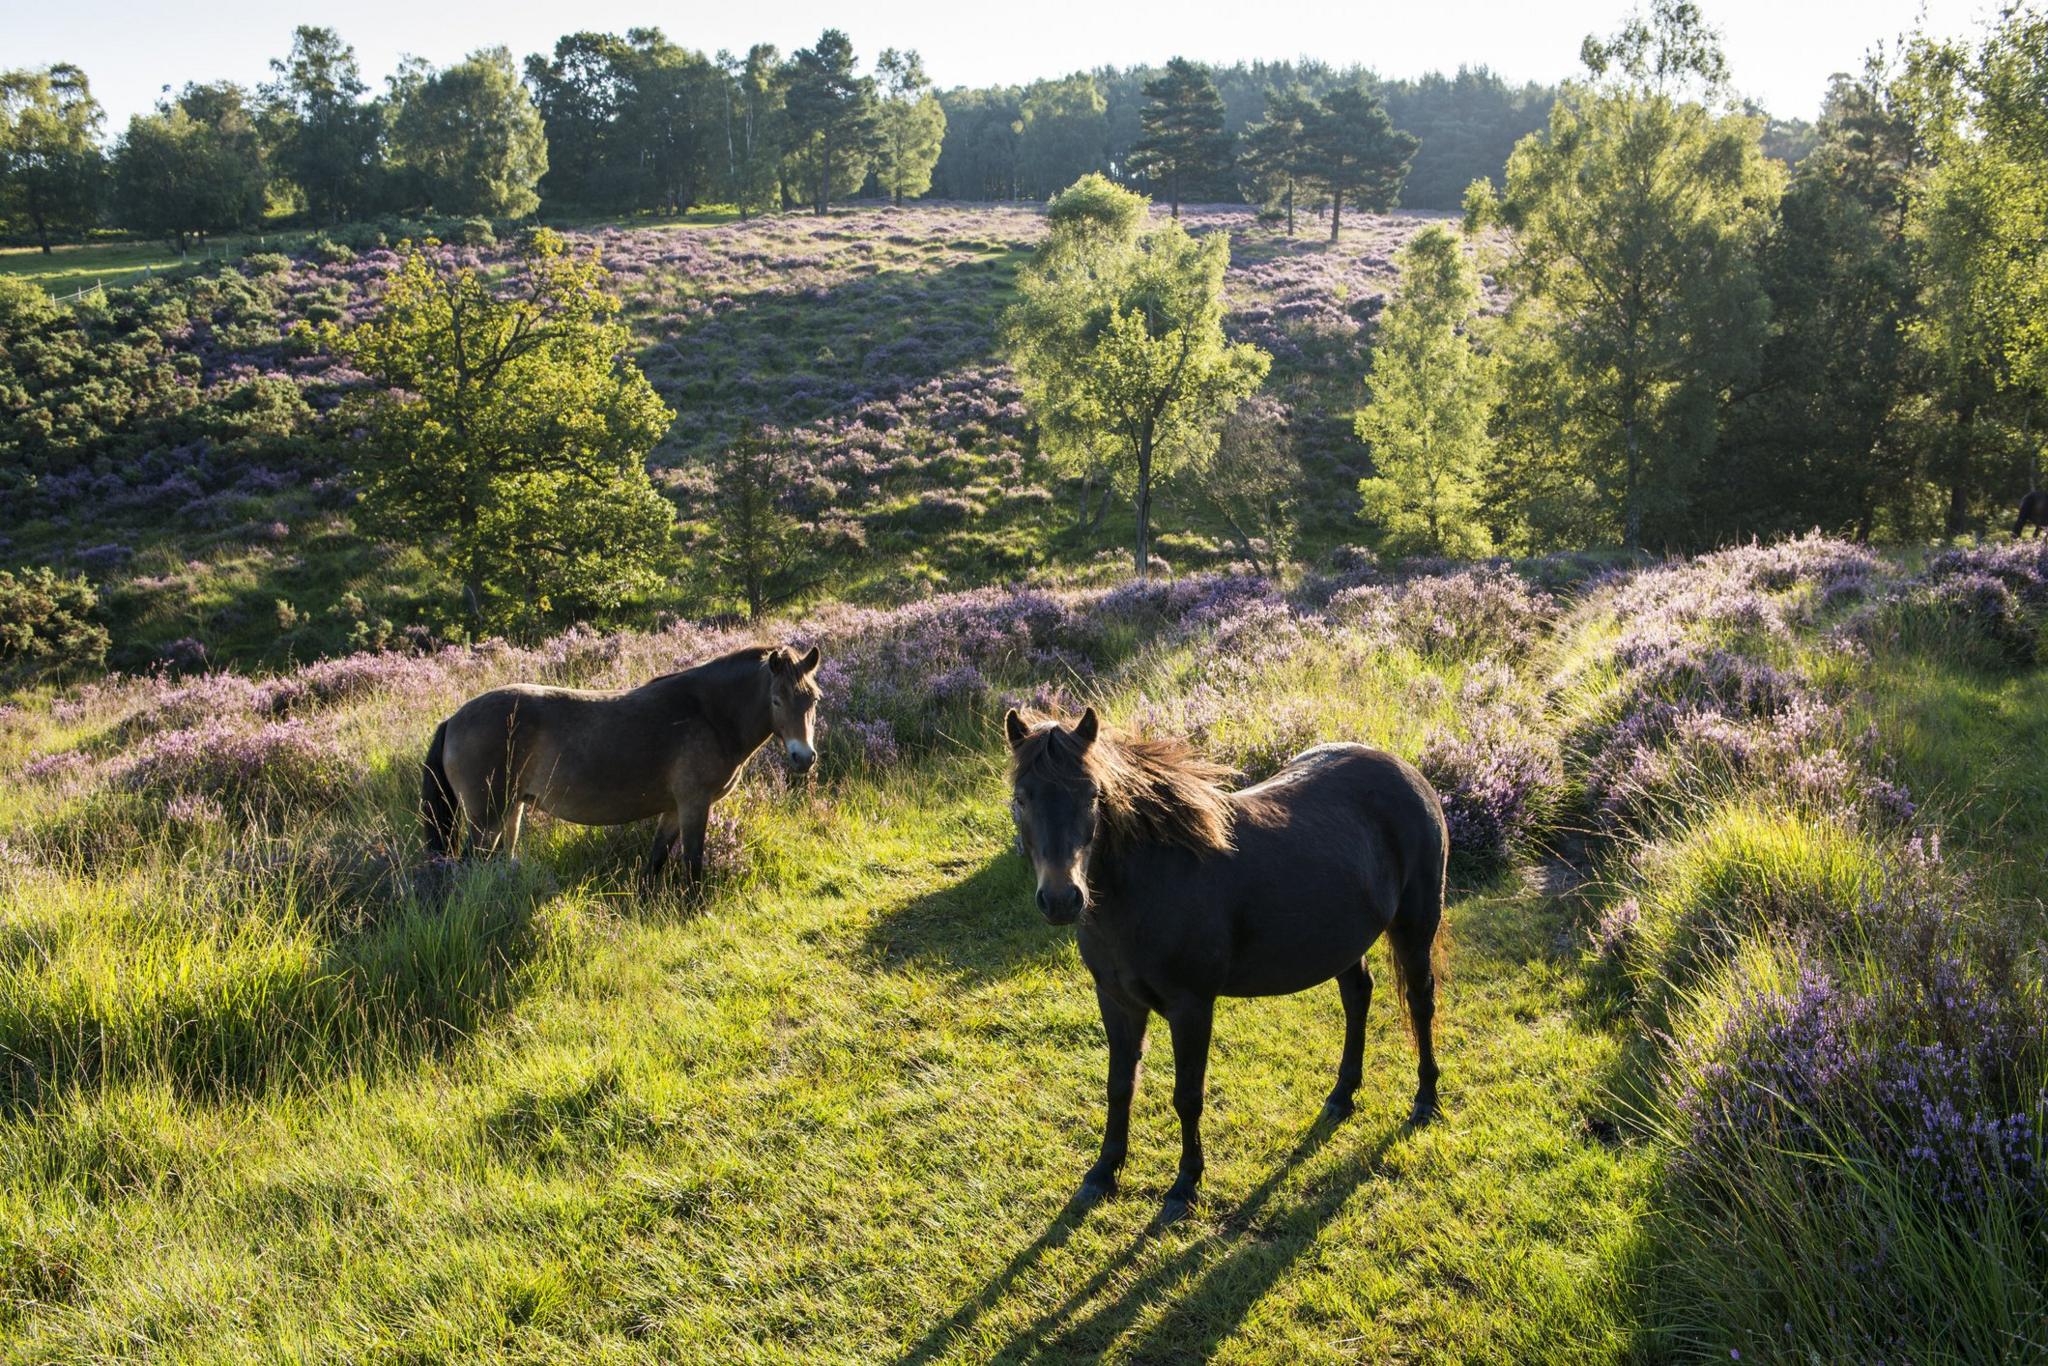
(1780, 52)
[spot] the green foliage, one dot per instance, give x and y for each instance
(1063, 135)
(1820, 443)
(511, 435)
(756, 127)
(757, 549)
(1977, 222)
(1356, 154)
(1276, 156)
(1119, 342)
(50, 164)
(47, 624)
(467, 139)
(1184, 146)
(1636, 300)
(911, 127)
(832, 118)
(1252, 483)
(195, 166)
(1431, 396)
(329, 137)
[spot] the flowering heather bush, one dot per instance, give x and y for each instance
(1981, 609)
(1922, 1048)
(1461, 614)
(278, 762)
(1494, 782)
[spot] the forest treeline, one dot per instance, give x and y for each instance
(637, 122)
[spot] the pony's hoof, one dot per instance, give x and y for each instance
(1337, 1109)
(1174, 1208)
(1095, 1189)
(1426, 1109)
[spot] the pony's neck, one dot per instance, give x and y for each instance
(741, 718)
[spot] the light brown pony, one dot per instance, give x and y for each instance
(668, 748)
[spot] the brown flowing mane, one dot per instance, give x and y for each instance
(1155, 791)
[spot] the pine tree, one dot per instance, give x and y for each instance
(1356, 154)
(832, 115)
(1184, 144)
(1275, 156)
(912, 126)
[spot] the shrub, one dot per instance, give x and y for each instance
(46, 624)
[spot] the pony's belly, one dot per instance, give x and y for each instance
(601, 808)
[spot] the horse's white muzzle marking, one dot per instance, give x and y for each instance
(801, 754)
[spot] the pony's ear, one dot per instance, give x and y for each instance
(809, 663)
(1014, 727)
(1086, 729)
(778, 661)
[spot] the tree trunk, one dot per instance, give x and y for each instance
(1959, 472)
(1336, 215)
(1631, 505)
(824, 176)
(1144, 506)
(1290, 211)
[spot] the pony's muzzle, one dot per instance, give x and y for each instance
(1061, 905)
(801, 756)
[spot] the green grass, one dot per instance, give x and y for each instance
(267, 1102)
(72, 267)
(832, 1114)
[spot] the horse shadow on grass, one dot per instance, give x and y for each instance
(1262, 1244)
(981, 928)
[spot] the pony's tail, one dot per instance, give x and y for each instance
(437, 798)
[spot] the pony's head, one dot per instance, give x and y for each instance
(793, 703)
(1056, 800)
(1072, 788)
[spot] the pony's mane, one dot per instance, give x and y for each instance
(719, 668)
(1155, 791)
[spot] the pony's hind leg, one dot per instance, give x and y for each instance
(1355, 985)
(664, 843)
(1411, 940)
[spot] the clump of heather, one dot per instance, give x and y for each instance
(1979, 610)
(1495, 782)
(1462, 615)
(286, 763)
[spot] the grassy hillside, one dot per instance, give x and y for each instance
(1741, 851)
(192, 465)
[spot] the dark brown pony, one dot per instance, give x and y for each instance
(1184, 893)
(2033, 513)
(668, 748)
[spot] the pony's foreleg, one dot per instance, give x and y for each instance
(691, 818)
(1191, 1022)
(1355, 985)
(1125, 1025)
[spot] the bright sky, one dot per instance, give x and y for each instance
(1781, 51)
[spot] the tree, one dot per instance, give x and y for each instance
(671, 121)
(1636, 306)
(509, 436)
(1118, 340)
(1065, 135)
(1356, 154)
(831, 116)
(50, 163)
(1432, 393)
(755, 126)
(469, 137)
(332, 142)
(912, 126)
(193, 167)
(1251, 482)
(1977, 221)
(1184, 144)
(1819, 442)
(579, 93)
(758, 549)
(1275, 159)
